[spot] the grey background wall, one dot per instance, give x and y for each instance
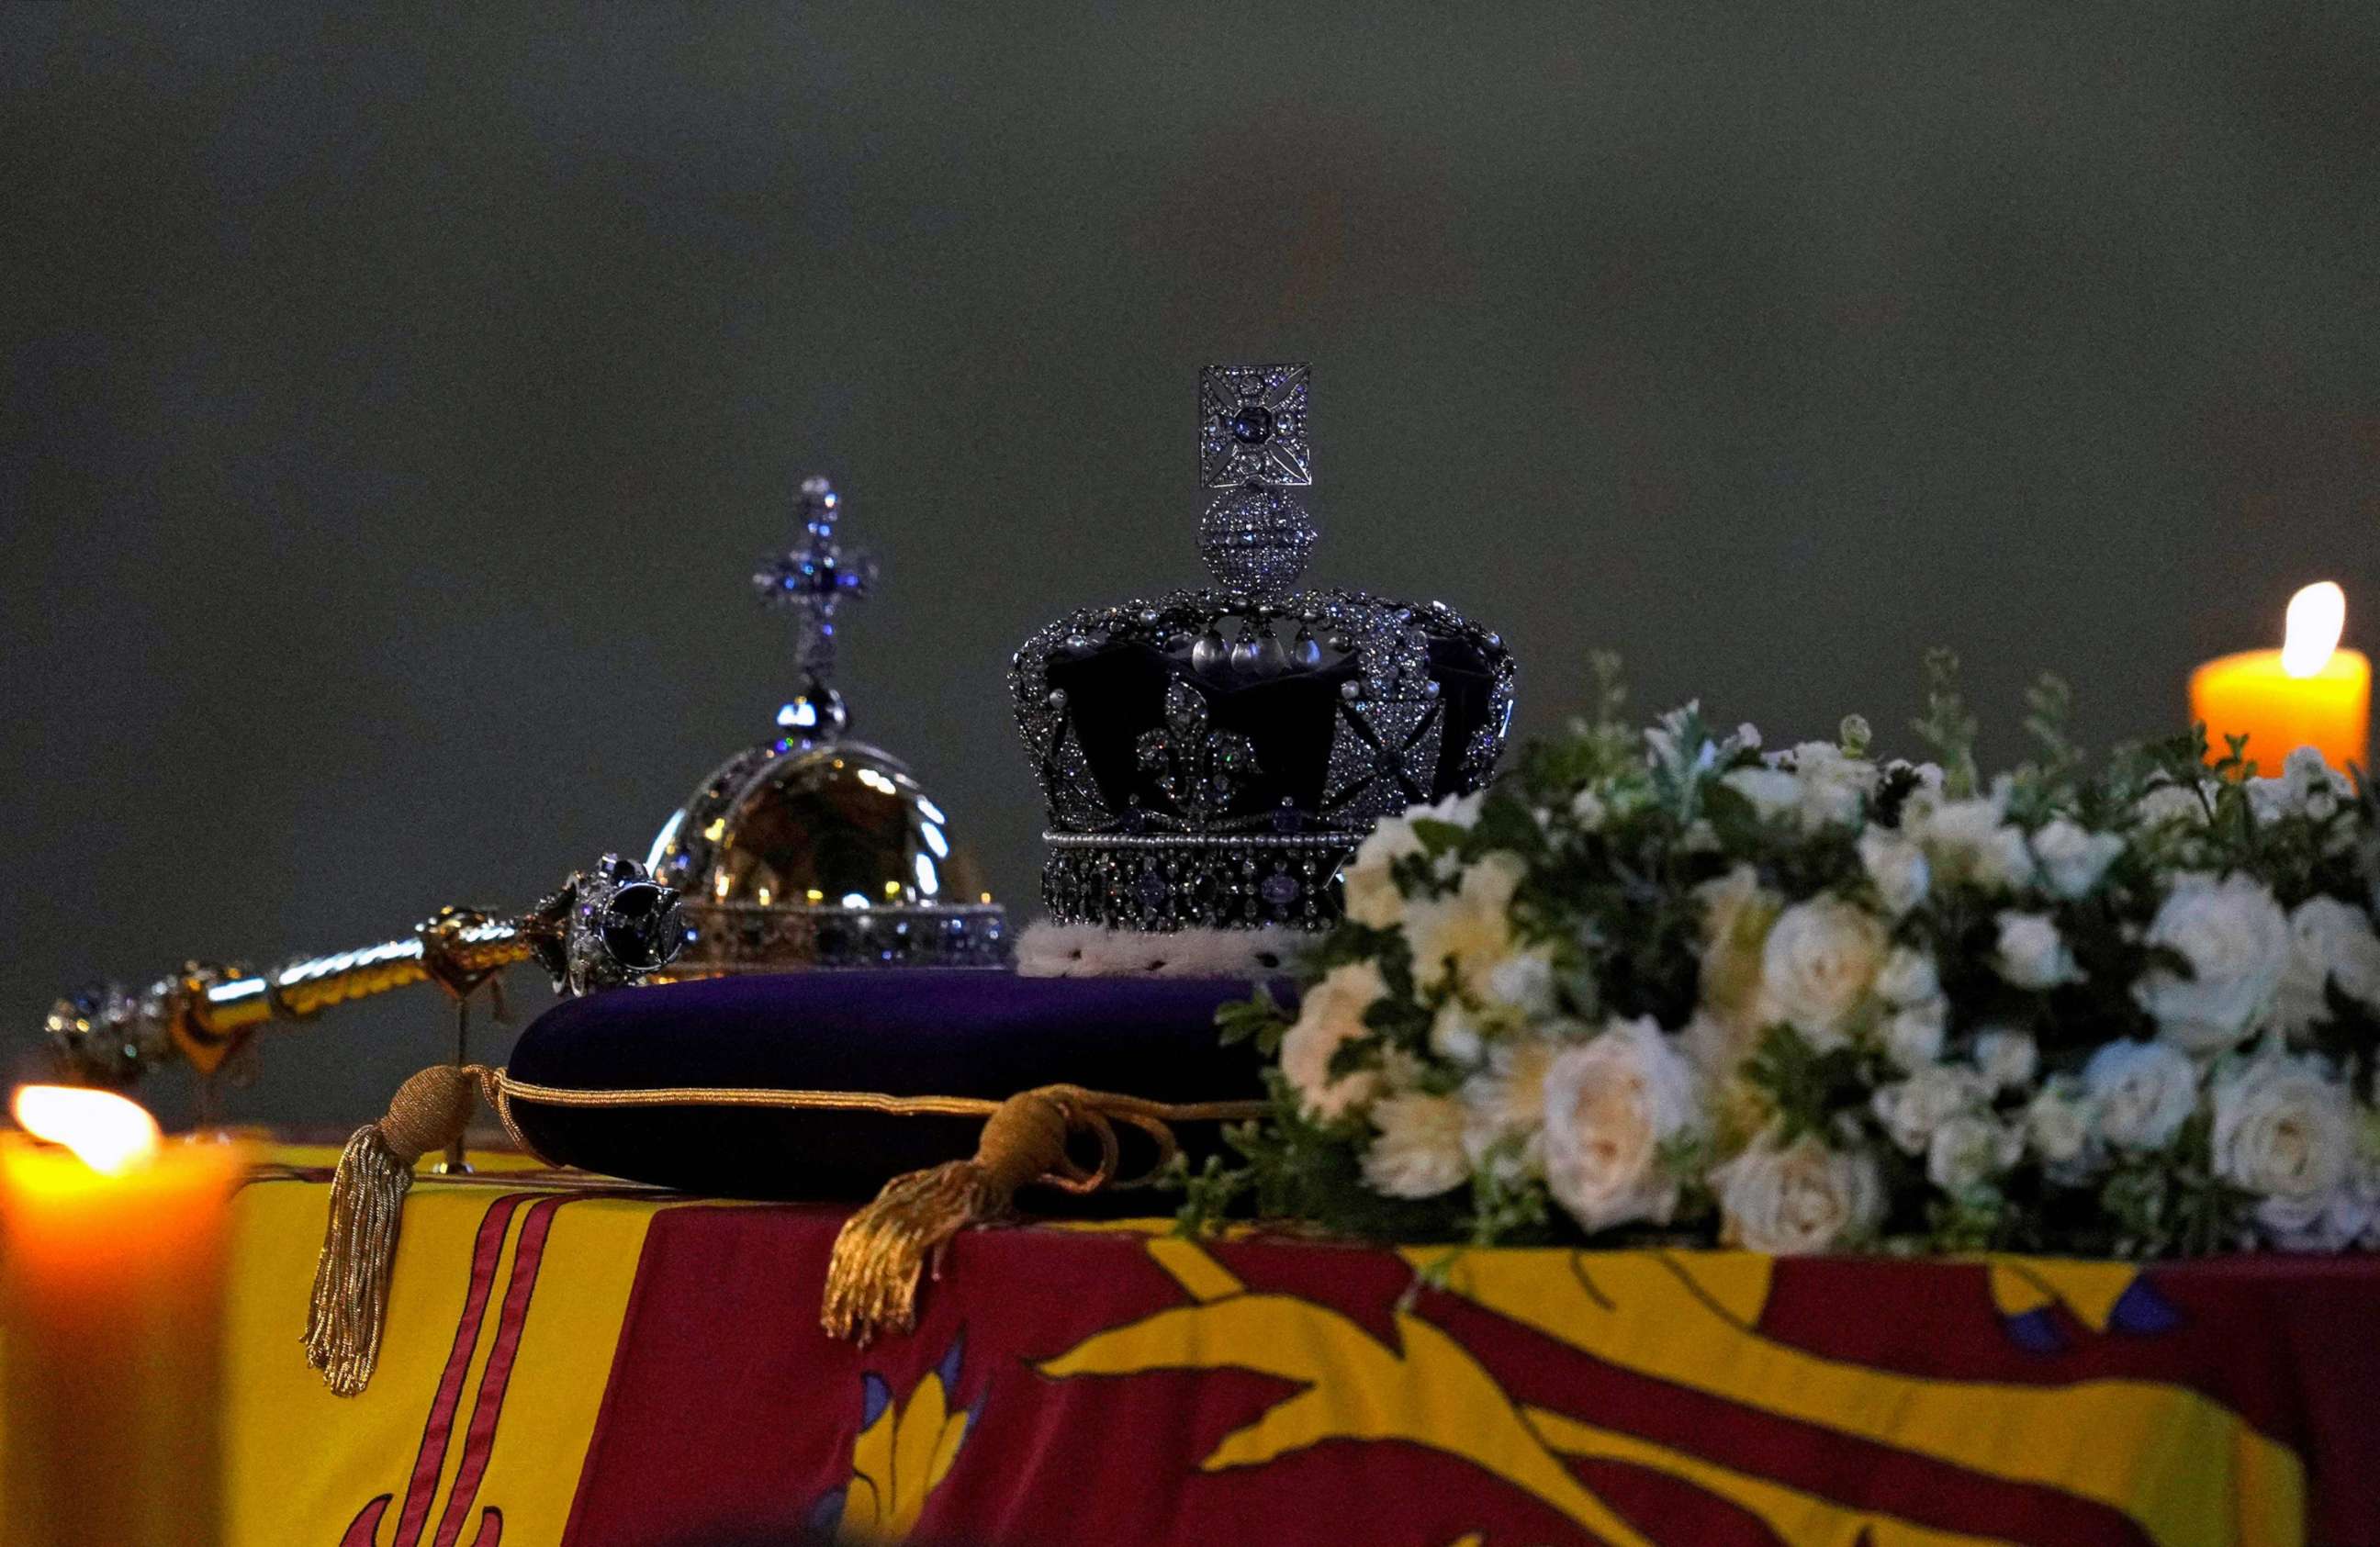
(393, 412)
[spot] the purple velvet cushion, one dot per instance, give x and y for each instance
(917, 1031)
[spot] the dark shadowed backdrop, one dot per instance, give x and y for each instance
(394, 411)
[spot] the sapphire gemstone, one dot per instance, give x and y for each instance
(1252, 426)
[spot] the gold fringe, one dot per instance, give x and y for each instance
(351, 1278)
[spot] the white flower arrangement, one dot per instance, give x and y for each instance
(1663, 984)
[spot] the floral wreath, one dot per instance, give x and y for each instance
(1663, 983)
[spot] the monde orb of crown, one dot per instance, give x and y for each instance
(1210, 757)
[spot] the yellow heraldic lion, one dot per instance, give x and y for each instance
(1691, 1319)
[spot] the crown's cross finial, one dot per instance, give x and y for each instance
(1253, 444)
(813, 578)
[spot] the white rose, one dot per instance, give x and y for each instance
(1813, 786)
(1716, 1047)
(2284, 1129)
(1611, 1103)
(1967, 840)
(1371, 892)
(1373, 896)
(1819, 963)
(2335, 1221)
(1523, 983)
(1898, 868)
(1460, 810)
(2058, 1126)
(1331, 1016)
(2305, 787)
(1737, 913)
(1504, 1106)
(2237, 942)
(1971, 1149)
(2005, 1059)
(2072, 858)
(1913, 1110)
(2142, 1093)
(2328, 939)
(2030, 953)
(2180, 803)
(2345, 1219)
(1913, 1033)
(1775, 794)
(1927, 777)
(1470, 932)
(1417, 1152)
(1834, 787)
(2321, 787)
(1804, 1197)
(1454, 1034)
(1908, 977)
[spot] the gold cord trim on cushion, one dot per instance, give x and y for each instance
(879, 1256)
(736, 1096)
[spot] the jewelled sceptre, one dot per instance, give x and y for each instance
(609, 924)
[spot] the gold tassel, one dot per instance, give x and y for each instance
(350, 1301)
(884, 1250)
(879, 1257)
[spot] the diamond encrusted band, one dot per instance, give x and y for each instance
(748, 938)
(1165, 883)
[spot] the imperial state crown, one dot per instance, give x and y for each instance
(1211, 757)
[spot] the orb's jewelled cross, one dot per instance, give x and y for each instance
(815, 576)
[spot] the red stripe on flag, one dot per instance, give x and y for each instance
(478, 1440)
(431, 1457)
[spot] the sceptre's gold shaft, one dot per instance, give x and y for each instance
(315, 983)
(607, 925)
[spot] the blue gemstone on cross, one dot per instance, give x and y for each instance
(814, 577)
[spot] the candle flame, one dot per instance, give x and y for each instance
(108, 1133)
(2316, 615)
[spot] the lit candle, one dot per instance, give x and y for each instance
(2308, 693)
(111, 1303)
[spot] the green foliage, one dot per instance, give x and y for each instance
(1946, 726)
(1804, 1087)
(1260, 1018)
(2173, 1204)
